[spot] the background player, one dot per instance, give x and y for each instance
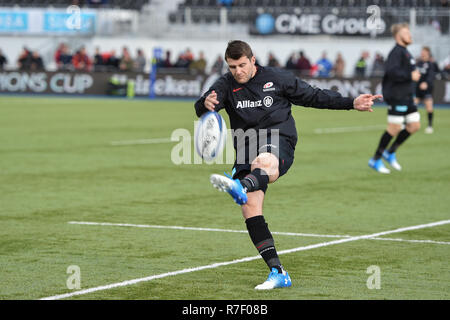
(424, 90)
(398, 85)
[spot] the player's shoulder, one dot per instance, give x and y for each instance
(277, 73)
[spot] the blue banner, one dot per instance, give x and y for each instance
(13, 21)
(69, 23)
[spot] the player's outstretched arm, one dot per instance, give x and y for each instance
(365, 102)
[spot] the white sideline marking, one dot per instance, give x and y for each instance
(247, 259)
(348, 129)
(314, 235)
(413, 241)
(202, 229)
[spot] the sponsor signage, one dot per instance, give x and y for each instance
(290, 23)
(13, 21)
(34, 21)
(174, 85)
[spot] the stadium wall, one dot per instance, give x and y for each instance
(170, 85)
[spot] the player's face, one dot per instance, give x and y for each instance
(424, 55)
(405, 37)
(242, 69)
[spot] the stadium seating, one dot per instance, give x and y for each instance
(123, 4)
(317, 3)
(207, 11)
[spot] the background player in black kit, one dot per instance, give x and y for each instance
(259, 99)
(398, 92)
(425, 85)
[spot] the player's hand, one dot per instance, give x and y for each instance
(365, 102)
(415, 75)
(423, 86)
(211, 101)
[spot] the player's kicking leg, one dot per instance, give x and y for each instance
(252, 187)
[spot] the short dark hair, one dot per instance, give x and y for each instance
(237, 49)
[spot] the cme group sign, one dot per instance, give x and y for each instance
(316, 24)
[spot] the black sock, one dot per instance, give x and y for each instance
(263, 241)
(384, 141)
(402, 136)
(430, 119)
(255, 180)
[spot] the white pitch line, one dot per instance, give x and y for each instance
(412, 240)
(348, 129)
(203, 229)
(295, 234)
(247, 259)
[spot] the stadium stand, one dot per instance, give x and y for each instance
(208, 11)
(122, 4)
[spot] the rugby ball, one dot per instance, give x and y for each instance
(210, 135)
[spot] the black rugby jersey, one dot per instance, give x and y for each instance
(265, 101)
(398, 86)
(427, 71)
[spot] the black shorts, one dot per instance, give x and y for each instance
(282, 147)
(424, 94)
(401, 109)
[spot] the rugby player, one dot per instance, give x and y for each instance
(258, 100)
(398, 92)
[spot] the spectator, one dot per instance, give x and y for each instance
(324, 66)
(303, 65)
(64, 59)
(112, 61)
(99, 63)
(166, 63)
(361, 65)
(339, 66)
(126, 62)
(218, 65)
(378, 66)
(291, 62)
(81, 60)
(273, 62)
(58, 52)
(3, 60)
(140, 61)
(188, 55)
(36, 63)
(24, 60)
(199, 65)
(182, 61)
(167, 60)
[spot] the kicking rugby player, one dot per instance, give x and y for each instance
(259, 99)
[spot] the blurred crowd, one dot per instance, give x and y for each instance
(110, 61)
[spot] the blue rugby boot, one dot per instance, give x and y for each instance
(378, 165)
(233, 187)
(392, 160)
(275, 280)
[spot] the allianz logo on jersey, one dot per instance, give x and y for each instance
(267, 102)
(248, 104)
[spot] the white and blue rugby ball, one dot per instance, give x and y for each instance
(210, 135)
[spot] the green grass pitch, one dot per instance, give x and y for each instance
(58, 165)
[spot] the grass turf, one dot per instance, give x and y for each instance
(57, 165)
